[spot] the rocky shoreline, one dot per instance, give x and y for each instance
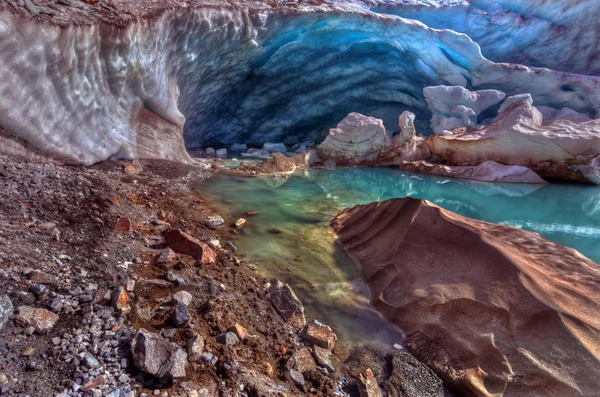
(114, 284)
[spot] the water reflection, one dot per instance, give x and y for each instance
(290, 238)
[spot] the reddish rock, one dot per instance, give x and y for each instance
(302, 360)
(119, 298)
(240, 331)
(122, 225)
(94, 384)
(367, 385)
(320, 335)
(131, 167)
(41, 319)
(184, 243)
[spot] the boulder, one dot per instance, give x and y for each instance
(490, 171)
(289, 307)
(356, 140)
(362, 141)
(41, 320)
(561, 149)
(6, 310)
(319, 334)
(456, 107)
(519, 313)
(183, 243)
(367, 384)
(277, 163)
(302, 360)
(156, 356)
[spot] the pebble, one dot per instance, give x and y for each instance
(228, 339)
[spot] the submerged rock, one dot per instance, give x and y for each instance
(507, 304)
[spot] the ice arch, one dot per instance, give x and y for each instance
(235, 75)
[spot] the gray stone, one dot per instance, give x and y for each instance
(180, 316)
(289, 307)
(228, 339)
(214, 221)
(297, 377)
(90, 361)
(38, 290)
(6, 310)
(325, 358)
(56, 305)
(183, 297)
(195, 347)
(155, 355)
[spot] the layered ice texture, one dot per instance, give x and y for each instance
(237, 74)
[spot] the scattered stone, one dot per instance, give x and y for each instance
(130, 286)
(230, 245)
(129, 167)
(188, 245)
(167, 255)
(56, 305)
(90, 361)
(325, 358)
(297, 377)
(301, 360)
(94, 384)
(180, 316)
(182, 297)
(156, 356)
(195, 348)
(28, 352)
(38, 290)
(240, 331)
(289, 307)
(214, 221)
(6, 310)
(367, 384)
(169, 332)
(319, 334)
(122, 225)
(41, 319)
(228, 339)
(119, 298)
(240, 223)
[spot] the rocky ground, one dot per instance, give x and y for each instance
(116, 280)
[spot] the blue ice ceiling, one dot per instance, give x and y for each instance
(303, 73)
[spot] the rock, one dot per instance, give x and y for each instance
(289, 307)
(230, 245)
(456, 107)
(47, 227)
(319, 334)
(325, 358)
(130, 286)
(301, 360)
(560, 150)
(210, 151)
(182, 297)
(27, 352)
(6, 310)
(129, 167)
(119, 298)
(240, 223)
(356, 140)
(221, 152)
(38, 290)
(195, 348)
(297, 377)
(367, 384)
(94, 384)
(276, 164)
(214, 221)
(90, 361)
(122, 225)
(240, 331)
(156, 356)
(493, 296)
(490, 171)
(185, 244)
(180, 316)
(431, 353)
(41, 319)
(228, 339)
(166, 256)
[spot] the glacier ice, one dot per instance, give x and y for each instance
(236, 74)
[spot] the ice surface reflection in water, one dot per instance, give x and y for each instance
(290, 238)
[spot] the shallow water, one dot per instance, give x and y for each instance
(302, 252)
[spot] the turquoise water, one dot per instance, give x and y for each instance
(302, 252)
